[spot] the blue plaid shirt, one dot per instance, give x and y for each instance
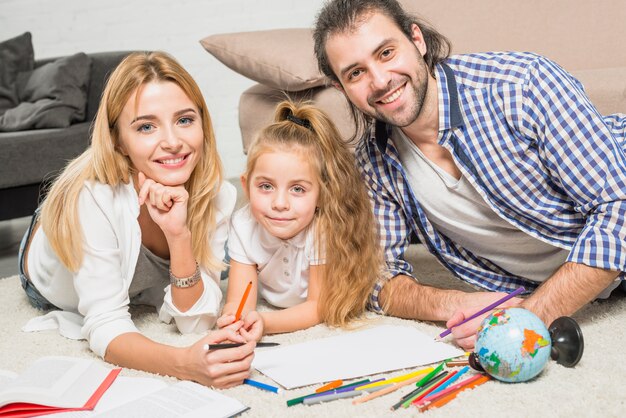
(526, 136)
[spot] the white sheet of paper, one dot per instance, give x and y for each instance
(354, 354)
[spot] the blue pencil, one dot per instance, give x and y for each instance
(261, 385)
(448, 382)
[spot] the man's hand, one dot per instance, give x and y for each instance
(465, 335)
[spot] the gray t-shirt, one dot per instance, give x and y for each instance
(150, 278)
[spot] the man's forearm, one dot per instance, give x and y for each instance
(405, 298)
(570, 288)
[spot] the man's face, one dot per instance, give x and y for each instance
(381, 71)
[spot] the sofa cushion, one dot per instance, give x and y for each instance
(255, 55)
(30, 156)
(52, 96)
(258, 103)
(16, 55)
(606, 87)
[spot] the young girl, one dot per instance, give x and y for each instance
(306, 240)
(141, 216)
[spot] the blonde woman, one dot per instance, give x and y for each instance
(141, 216)
(307, 239)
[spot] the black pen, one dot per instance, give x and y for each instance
(219, 346)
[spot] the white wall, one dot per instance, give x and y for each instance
(62, 27)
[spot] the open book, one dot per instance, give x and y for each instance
(54, 384)
(155, 398)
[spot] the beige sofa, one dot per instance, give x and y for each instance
(587, 38)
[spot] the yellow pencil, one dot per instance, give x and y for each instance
(396, 379)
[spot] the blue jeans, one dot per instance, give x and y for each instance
(34, 297)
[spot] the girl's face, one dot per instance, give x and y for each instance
(161, 132)
(283, 190)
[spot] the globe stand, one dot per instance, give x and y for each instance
(567, 341)
(474, 363)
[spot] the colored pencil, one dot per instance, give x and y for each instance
(456, 363)
(385, 391)
(330, 385)
(295, 401)
(430, 375)
(448, 382)
(418, 390)
(331, 397)
(450, 396)
(243, 301)
(221, 346)
(396, 379)
(482, 311)
(261, 385)
(450, 389)
(428, 390)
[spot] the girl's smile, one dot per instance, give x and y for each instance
(283, 191)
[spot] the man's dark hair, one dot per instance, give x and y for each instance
(339, 16)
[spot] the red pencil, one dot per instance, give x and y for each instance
(243, 301)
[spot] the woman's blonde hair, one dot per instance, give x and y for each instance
(344, 221)
(103, 162)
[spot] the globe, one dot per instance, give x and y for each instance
(513, 345)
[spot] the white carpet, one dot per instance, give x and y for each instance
(595, 387)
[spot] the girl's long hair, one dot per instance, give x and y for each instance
(344, 221)
(103, 162)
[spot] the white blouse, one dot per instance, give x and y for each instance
(282, 265)
(99, 291)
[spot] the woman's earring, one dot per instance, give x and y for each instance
(317, 209)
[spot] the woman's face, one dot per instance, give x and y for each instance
(161, 132)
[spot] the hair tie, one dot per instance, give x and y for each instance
(299, 121)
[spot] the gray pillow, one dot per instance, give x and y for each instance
(52, 96)
(16, 55)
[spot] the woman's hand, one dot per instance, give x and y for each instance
(166, 205)
(222, 368)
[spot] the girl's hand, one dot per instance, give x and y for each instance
(220, 368)
(228, 321)
(252, 328)
(166, 205)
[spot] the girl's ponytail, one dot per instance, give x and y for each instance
(345, 222)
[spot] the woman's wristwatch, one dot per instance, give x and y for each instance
(183, 282)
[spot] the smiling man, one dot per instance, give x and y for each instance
(498, 163)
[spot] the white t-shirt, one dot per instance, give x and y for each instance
(282, 265)
(458, 211)
(98, 293)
